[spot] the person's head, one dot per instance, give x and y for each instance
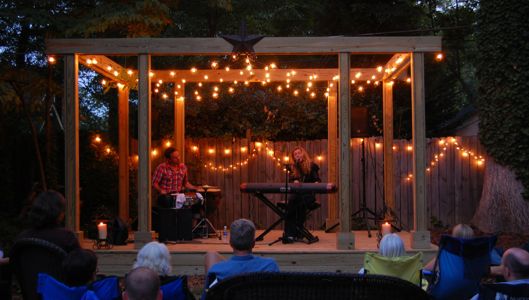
(156, 257)
(172, 155)
(47, 210)
(515, 263)
(299, 155)
(391, 245)
(242, 235)
(79, 267)
(462, 231)
(142, 284)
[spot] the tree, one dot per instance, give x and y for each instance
(503, 72)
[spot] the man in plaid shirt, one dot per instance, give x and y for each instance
(170, 177)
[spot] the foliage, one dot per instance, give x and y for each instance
(266, 113)
(98, 177)
(503, 72)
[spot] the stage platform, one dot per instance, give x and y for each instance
(188, 257)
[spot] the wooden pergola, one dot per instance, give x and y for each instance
(406, 52)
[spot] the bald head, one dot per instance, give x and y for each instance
(515, 262)
(142, 284)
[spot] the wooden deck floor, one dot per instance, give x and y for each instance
(188, 257)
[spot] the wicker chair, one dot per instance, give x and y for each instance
(30, 256)
(314, 286)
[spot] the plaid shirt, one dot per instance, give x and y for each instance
(170, 178)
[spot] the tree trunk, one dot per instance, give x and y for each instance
(502, 207)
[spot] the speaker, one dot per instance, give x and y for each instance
(119, 233)
(359, 122)
(184, 221)
(167, 225)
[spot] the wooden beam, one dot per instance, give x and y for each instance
(396, 65)
(71, 142)
(389, 185)
(345, 238)
(143, 235)
(269, 45)
(123, 163)
(114, 71)
(107, 67)
(179, 122)
(421, 236)
(259, 75)
(332, 154)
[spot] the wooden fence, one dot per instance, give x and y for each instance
(454, 177)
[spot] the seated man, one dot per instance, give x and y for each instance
(142, 284)
(515, 269)
(242, 240)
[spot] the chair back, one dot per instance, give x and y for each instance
(460, 265)
(50, 288)
(106, 288)
(313, 286)
(30, 256)
(175, 288)
(511, 291)
(404, 267)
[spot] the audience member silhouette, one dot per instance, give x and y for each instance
(45, 217)
(142, 284)
(242, 241)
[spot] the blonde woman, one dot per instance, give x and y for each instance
(303, 170)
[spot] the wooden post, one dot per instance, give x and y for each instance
(345, 238)
(179, 123)
(332, 151)
(143, 235)
(123, 164)
(420, 234)
(71, 143)
(389, 187)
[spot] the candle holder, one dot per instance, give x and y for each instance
(102, 244)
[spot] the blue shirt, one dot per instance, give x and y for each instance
(242, 264)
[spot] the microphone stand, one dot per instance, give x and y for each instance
(286, 189)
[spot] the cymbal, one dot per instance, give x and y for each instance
(205, 186)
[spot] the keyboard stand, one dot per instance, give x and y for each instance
(282, 215)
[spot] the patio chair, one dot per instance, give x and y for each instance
(406, 267)
(512, 291)
(31, 256)
(175, 288)
(460, 265)
(313, 286)
(106, 288)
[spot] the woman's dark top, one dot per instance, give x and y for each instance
(312, 177)
(61, 237)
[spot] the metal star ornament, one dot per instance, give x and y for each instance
(243, 43)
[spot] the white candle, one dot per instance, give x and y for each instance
(386, 228)
(102, 230)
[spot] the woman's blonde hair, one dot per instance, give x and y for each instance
(462, 231)
(305, 164)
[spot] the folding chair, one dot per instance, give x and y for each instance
(460, 265)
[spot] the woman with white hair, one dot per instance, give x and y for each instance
(392, 260)
(391, 245)
(156, 257)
